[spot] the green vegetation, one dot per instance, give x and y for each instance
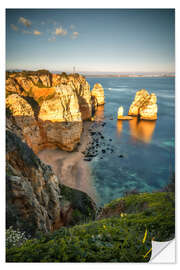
(15, 237)
(123, 236)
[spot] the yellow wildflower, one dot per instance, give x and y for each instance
(104, 226)
(145, 235)
(147, 253)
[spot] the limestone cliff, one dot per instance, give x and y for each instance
(57, 123)
(23, 118)
(33, 194)
(35, 198)
(98, 93)
(12, 86)
(49, 108)
(61, 120)
(82, 89)
(144, 105)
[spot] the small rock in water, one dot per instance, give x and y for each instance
(103, 151)
(121, 156)
(87, 159)
(110, 140)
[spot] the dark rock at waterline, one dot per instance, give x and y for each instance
(103, 151)
(120, 156)
(102, 137)
(87, 159)
(110, 140)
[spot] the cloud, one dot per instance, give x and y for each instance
(60, 31)
(75, 35)
(14, 27)
(37, 33)
(26, 32)
(24, 21)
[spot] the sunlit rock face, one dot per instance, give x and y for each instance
(12, 86)
(25, 83)
(56, 80)
(144, 105)
(61, 120)
(33, 194)
(23, 120)
(46, 80)
(149, 111)
(140, 98)
(98, 93)
(62, 102)
(120, 115)
(82, 89)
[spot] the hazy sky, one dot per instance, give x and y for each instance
(114, 40)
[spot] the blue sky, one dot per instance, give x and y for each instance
(111, 40)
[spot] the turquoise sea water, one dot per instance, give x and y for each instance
(142, 158)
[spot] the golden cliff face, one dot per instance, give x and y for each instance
(24, 119)
(98, 94)
(61, 120)
(56, 120)
(144, 105)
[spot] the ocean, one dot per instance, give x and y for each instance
(134, 155)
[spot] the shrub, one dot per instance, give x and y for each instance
(123, 238)
(15, 238)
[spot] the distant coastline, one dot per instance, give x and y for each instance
(127, 75)
(108, 75)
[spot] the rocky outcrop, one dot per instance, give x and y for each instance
(12, 86)
(60, 118)
(46, 80)
(35, 198)
(98, 94)
(82, 89)
(23, 118)
(33, 194)
(120, 115)
(144, 105)
(25, 83)
(56, 123)
(56, 105)
(149, 109)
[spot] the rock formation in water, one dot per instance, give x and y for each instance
(148, 111)
(120, 115)
(98, 94)
(144, 105)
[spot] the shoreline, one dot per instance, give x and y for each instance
(70, 167)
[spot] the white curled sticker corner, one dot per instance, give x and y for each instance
(163, 252)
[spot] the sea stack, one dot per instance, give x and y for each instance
(98, 94)
(144, 105)
(120, 115)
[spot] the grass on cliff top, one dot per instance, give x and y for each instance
(122, 233)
